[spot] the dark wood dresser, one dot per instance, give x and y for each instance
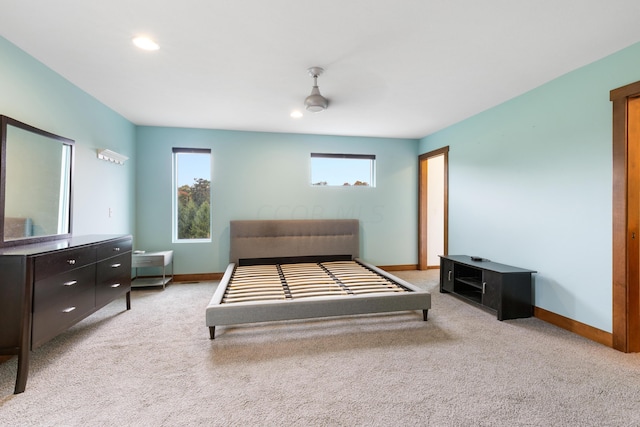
(45, 288)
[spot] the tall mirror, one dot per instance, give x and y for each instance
(35, 184)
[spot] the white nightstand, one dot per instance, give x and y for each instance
(152, 259)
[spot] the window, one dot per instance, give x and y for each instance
(343, 170)
(191, 194)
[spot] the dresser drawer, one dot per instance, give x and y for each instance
(115, 248)
(62, 261)
(113, 278)
(60, 301)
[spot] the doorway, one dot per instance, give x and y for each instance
(433, 207)
(626, 218)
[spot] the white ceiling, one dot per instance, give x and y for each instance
(394, 68)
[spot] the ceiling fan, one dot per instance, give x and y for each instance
(315, 102)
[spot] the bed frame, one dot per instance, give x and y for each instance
(282, 242)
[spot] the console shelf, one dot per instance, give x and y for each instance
(500, 288)
(471, 281)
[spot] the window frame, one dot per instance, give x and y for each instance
(372, 172)
(175, 152)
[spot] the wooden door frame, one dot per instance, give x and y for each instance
(625, 268)
(422, 204)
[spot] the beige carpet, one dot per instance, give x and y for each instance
(155, 366)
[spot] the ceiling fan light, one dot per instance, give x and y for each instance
(315, 108)
(316, 102)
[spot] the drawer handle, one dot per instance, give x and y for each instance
(70, 283)
(116, 249)
(115, 285)
(68, 310)
(71, 261)
(115, 265)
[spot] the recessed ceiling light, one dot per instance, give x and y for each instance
(145, 43)
(296, 114)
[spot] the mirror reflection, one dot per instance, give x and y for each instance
(37, 184)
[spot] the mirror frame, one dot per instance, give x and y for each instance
(6, 121)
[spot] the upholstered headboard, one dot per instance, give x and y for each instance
(264, 239)
(16, 228)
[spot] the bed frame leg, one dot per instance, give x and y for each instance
(212, 332)
(424, 315)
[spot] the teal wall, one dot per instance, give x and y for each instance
(266, 176)
(255, 175)
(529, 180)
(34, 94)
(530, 184)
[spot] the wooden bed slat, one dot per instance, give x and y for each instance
(255, 290)
(245, 284)
(328, 281)
(369, 283)
(254, 298)
(257, 277)
(319, 294)
(316, 285)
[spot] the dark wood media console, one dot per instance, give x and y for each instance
(45, 288)
(501, 288)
